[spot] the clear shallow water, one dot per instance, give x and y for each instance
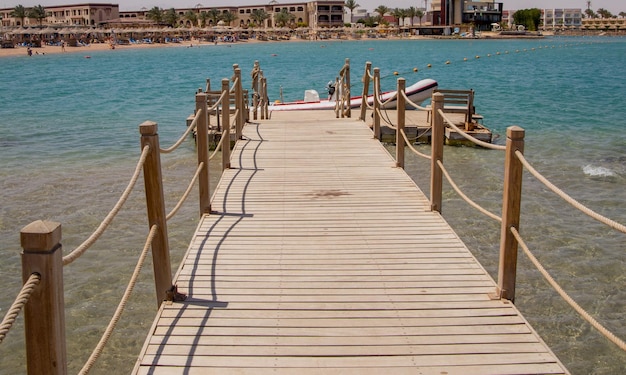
(69, 142)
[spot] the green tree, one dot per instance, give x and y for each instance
(381, 10)
(259, 16)
(398, 14)
(228, 18)
(170, 17)
(37, 12)
(368, 21)
(203, 17)
(352, 5)
(214, 16)
(155, 14)
(283, 17)
(19, 12)
(419, 14)
(605, 13)
(590, 13)
(192, 17)
(530, 18)
(411, 12)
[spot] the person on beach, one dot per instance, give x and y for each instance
(63, 45)
(29, 51)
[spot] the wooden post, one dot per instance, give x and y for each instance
(44, 314)
(346, 75)
(255, 89)
(436, 153)
(264, 103)
(366, 89)
(239, 105)
(226, 125)
(376, 103)
(511, 202)
(202, 141)
(208, 88)
(156, 210)
(400, 127)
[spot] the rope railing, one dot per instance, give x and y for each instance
(217, 148)
(120, 307)
(574, 203)
(584, 314)
(469, 137)
(182, 138)
(19, 303)
(410, 145)
(183, 198)
(465, 197)
(413, 104)
(82, 248)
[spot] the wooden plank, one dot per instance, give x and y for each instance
(322, 257)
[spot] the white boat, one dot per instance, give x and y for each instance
(417, 93)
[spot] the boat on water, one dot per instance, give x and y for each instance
(417, 93)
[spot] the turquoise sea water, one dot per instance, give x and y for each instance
(69, 142)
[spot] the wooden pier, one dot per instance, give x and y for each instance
(303, 268)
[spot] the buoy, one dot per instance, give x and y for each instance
(448, 62)
(497, 53)
(395, 73)
(415, 69)
(478, 57)
(273, 54)
(430, 66)
(87, 57)
(488, 55)
(465, 59)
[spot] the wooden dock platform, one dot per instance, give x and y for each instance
(303, 268)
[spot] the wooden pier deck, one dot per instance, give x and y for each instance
(322, 257)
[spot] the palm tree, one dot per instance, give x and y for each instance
(381, 10)
(171, 17)
(37, 12)
(214, 15)
(203, 17)
(604, 13)
(411, 12)
(352, 5)
(283, 17)
(419, 14)
(155, 14)
(398, 14)
(19, 12)
(191, 16)
(229, 17)
(259, 16)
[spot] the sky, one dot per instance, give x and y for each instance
(614, 6)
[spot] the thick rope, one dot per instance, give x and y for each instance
(413, 104)
(19, 303)
(469, 137)
(218, 147)
(409, 145)
(465, 197)
(218, 102)
(120, 307)
(186, 193)
(80, 250)
(589, 212)
(191, 126)
(389, 100)
(386, 119)
(585, 315)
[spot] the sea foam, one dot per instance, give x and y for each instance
(594, 171)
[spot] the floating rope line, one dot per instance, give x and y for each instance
(19, 303)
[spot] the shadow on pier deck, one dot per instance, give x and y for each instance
(302, 268)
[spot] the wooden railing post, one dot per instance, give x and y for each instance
(346, 74)
(255, 89)
(436, 153)
(366, 89)
(511, 202)
(156, 210)
(239, 104)
(400, 126)
(226, 125)
(376, 103)
(44, 314)
(202, 141)
(264, 98)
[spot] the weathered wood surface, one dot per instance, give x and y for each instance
(322, 257)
